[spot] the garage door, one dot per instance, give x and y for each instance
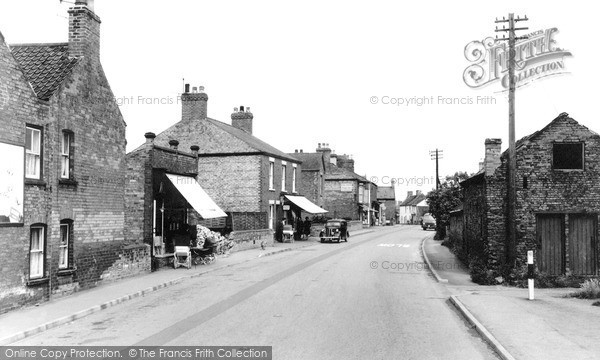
(551, 245)
(582, 244)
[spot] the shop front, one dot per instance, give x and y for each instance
(294, 206)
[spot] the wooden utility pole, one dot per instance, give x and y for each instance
(436, 155)
(512, 160)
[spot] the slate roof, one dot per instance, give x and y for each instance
(413, 200)
(214, 137)
(310, 161)
(338, 173)
(386, 193)
(45, 66)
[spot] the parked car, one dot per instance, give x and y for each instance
(335, 230)
(428, 222)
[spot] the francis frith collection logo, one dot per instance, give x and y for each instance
(536, 57)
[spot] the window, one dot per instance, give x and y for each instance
(567, 156)
(36, 252)
(271, 175)
(283, 167)
(64, 248)
(66, 155)
(294, 179)
(33, 147)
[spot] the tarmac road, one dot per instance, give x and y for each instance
(370, 298)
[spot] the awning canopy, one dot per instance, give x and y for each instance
(306, 204)
(196, 196)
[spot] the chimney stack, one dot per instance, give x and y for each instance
(492, 155)
(193, 104)
(149, 139)
(242, 119)
(84, 30)
(418, 192)
(326, 151)
(409, 194)
(173, 144)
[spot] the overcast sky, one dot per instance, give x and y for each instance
(309, 71)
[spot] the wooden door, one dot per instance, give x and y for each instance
(582, 244)
(550, 237)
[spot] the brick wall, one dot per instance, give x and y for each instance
(341, 204)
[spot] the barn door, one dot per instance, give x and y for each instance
(550, 237)
(582, 244)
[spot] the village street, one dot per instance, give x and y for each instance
(370, 298)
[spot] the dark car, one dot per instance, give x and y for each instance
(428, 222)
(335, 230)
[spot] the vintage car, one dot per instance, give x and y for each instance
(428, 222)
(335, 230)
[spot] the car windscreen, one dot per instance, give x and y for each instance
(334, 223)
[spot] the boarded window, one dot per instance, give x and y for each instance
(567, 156)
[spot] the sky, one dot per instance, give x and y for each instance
(336, 72)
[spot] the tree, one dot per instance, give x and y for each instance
(445, 199)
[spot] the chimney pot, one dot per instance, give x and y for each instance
(195, 149)
(242, 108)
(201, 89)
(187, 88)
(301, 150)
(194, 89)
(247, 108)
(173, 144)
(149, 137)
(235, 109)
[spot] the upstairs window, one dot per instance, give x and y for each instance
(33, 153)
(271, 175)
(294, 179)
(66, 155)
(283, 168)
(567, 156)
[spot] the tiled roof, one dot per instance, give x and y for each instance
(45, 66)
(252, 140)
(386, 192)
(215, 137)
(310, 161)
(413, 200)
(338, 173)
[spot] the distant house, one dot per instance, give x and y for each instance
(558, 202)
(412, 209)
(246, 177)
(386, 196)
(61, 192)
(312, 177)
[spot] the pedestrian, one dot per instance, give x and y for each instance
(307, 226)
(279, 231)
(299, 229)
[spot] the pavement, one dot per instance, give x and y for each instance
(551, 326)
(19, 324)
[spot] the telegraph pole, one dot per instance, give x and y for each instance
(512, 160)
(436, 155)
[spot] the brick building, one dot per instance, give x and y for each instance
(245, 176)
(312, 177)
(164, 202)
(62, 219)
(345, 193)
(558, 202)
(386, 196)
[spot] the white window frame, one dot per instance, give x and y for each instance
(271, 175)
(294, 178)
(283, 170)
(36, 255)
(29, 153)
(65, 156)
(63, 257)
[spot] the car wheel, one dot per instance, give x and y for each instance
(322, 240)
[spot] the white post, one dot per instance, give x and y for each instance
(530, 274)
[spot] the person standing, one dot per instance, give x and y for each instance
(307, 226)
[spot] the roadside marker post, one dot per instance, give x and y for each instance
(530, 274)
